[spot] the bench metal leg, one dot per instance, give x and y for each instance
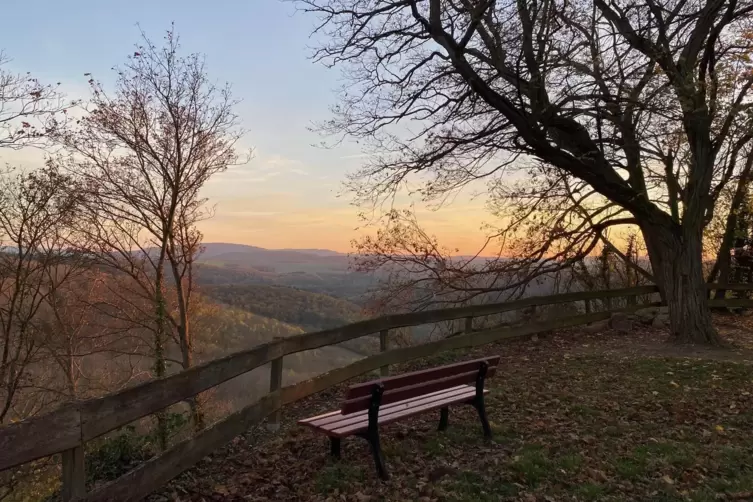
(444, 415)
(478, 400)
(479, 405)
(334, 447)
(376, 451)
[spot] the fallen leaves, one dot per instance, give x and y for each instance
(568, 424)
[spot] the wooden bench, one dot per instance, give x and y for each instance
(380, 402)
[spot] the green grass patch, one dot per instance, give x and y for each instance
(533, 465)
(570, 462)
(338, 476)
(590, 491)
(469, 486)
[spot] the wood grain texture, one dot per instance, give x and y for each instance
(154, 473)
(40, 437)
(731, 287)
(410, 392)
(275, 382)
(416, 377)
(309, 341)
(347, 425)
(384, 347)
(73, 483)
(327, 421)
(110, 412)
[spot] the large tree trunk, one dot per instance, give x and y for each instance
(677, 261)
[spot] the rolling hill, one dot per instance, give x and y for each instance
(311, 311)
(315, 270)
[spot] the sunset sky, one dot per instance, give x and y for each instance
(287, 196)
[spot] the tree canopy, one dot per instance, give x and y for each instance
(619, 112)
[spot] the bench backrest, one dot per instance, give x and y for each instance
(417, 383)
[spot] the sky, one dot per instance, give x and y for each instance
(290, 195)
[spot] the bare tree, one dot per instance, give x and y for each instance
(89, 349)
(636, 101)
(36, 212)
(29, 110)
(143, 154)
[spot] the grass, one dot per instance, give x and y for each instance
(336, 477)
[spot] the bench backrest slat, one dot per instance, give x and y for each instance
(417, 383)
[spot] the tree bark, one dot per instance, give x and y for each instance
(677, 261)
(160, 365)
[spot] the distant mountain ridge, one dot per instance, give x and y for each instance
(275, 260)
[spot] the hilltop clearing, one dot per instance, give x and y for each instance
(576, 416)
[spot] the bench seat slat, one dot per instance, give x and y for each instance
(351, 424)
(416, 390)
(351, 429)
(319, 417)
(417, 377)
(323, 421)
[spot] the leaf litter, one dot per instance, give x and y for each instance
(576, 417)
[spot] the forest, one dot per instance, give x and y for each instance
(100, 281)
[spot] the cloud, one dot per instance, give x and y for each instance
(252, 213)
(356, 156)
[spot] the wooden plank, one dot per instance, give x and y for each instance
(328, 420)
(468, 324)
(414, 377)
(309, 341)
(731, 302)
(74, 474)
(40, 436)
(731, 287)
(400, 413)
(275, 382)
(110, 412)
(356, 421)
(414, 391)
(384, 347)
(154, 473)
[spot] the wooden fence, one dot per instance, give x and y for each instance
(66, 430)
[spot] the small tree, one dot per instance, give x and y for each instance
(142, 155)
(37, 211)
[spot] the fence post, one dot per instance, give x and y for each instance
(74, 474)
(587, 305)
(469, 324)
(275, 382)
(632, 300)
(383, 344)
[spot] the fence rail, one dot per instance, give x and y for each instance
(67, 429)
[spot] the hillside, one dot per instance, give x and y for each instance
(316, 270)
(311, 311)
(223, 329)
(278, 260)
